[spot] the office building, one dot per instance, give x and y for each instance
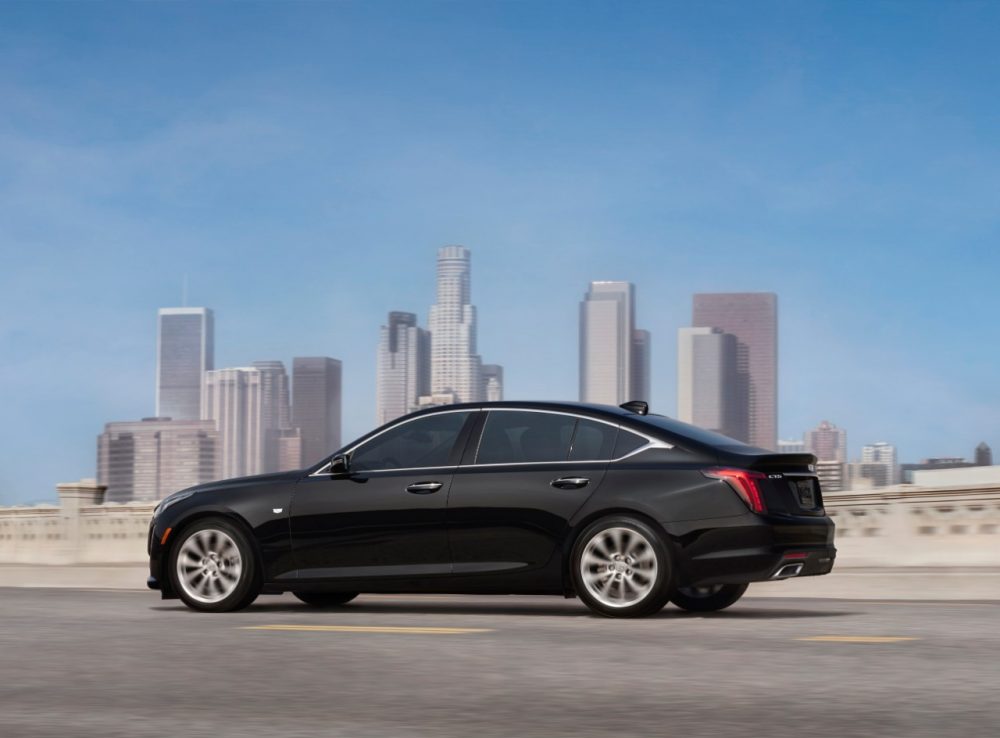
(492, 382)
(149, 459)
(827, 442)
(879, 464)
(276, 416)
(832, 475)
(316, 403)
(403, 368)
(614, 354)
(792, 446)
(709, 390)
(753, 319)
(456, 367)
(185, 347)
(234, 400)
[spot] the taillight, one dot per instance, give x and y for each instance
(745, 483)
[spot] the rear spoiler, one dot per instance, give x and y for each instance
(782, 462)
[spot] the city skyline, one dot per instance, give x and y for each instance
(301, 180)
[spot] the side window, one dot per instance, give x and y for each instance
(627, 443)
(593, 441)
(512, 437)
(425, 442)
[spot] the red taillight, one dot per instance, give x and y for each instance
(745, 483)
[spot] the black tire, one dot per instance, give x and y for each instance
(247, 581)
(326, 599)
(708, 599)
(657, 588)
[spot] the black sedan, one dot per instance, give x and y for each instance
(624, 509)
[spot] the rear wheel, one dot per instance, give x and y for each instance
(325, 599)
(708, 599)
(213, 567)
(621, 568)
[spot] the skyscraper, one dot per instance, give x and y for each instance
(456, 368)
(709, 390)
(276, 417)
(753, 319)
(878, 464)
(185, 347)
(827, 442)
(492, 382)
(234, 399)
(147, 460)
(614, 355)
(316, 399)
(403, 369)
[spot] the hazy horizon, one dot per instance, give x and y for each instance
(300, 164)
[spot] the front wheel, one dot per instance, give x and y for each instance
(621, 568)
(213, 567)
(325, 599)
(708, 599)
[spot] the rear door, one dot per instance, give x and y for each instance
(517, 488)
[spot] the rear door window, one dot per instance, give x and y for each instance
(522, 437)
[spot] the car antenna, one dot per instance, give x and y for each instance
(636, 406)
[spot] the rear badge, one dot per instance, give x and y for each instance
(278, 510)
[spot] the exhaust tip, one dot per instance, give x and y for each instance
(787, 571)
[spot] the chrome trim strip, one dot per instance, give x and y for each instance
(652, 443)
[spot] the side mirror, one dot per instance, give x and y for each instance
(338, 465)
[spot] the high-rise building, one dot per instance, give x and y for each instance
(792, 446)
(456, 368)
(753, 319)
(403, 369)
(827, 442)
(276, 416)
(185, 347)
(492, 382)
(614, 355)
(316, 400)
(234, 399)
(878, 463)
(641, 358)
(832, 475)
(708, 382)
(983, 455)
(147, 460)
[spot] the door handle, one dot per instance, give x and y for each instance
(424, 488)
(570, 482)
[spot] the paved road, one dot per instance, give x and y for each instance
(118, 663)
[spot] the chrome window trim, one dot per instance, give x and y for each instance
(322, 473)
(651, 443)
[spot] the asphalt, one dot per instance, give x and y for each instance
(108, 663)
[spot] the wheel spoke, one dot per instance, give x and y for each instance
(618, 566)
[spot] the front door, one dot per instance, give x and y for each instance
(386, 516)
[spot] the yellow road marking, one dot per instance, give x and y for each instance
(369, 629)
(858, 639)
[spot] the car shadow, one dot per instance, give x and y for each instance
(562, 608)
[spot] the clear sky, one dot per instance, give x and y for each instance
(302, 162)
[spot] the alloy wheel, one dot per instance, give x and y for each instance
(618, 567)
(209, 565)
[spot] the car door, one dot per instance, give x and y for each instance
(386, 516)
(513, 496)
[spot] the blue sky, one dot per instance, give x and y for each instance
(301, 163)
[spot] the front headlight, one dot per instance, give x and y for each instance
(168, 501)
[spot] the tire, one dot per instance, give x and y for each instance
(325, 599)
(708, 599)
(635, 584)
(213, 567)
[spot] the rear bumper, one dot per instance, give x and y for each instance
(752, 548)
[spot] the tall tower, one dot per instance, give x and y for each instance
(456, 368)
(404, 367)
(234, 399)
(709, 390)
(614, 355)
(753, 318)
(276, 416)
(185, 348)
(316, 399)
